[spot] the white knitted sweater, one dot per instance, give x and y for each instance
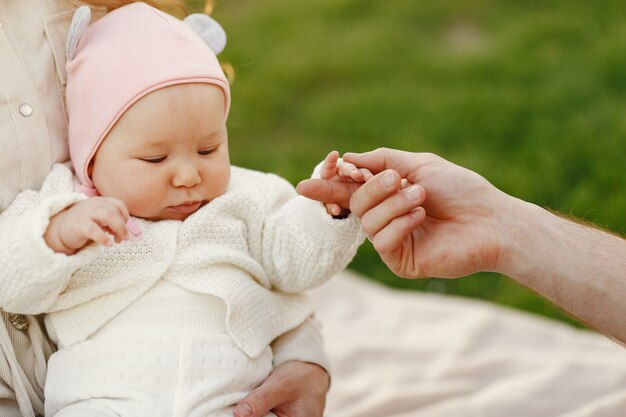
(257, 247)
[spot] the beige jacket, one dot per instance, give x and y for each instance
(33, 131)
(32, 138)
(33, 126)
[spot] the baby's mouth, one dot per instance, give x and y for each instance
(187, 208)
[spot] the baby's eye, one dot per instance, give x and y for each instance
(154, 160)
(206, 151)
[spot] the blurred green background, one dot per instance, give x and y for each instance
(530, 94)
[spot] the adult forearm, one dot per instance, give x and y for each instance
(578, 267)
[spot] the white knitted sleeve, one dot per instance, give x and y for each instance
(305, 343)
(303, 246)
(31, 274)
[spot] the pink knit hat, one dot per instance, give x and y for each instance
(127, 54)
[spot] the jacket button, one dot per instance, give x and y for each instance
(18, 321)
(26, 110)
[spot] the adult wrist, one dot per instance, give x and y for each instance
(521, 225)
(536, 244)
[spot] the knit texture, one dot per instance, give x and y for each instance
(257, 247)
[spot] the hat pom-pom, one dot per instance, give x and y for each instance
(209, 30)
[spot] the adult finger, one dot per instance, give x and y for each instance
(328, 191)
(396, 205)
(405, 163)
(374, 191)
(392, 236)
(260, 401)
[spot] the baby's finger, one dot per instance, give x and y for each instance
(118, 229)
(112, 219)
(121, 207)
(347, 170)
(329, 166)
(366, 174)
(94, 232)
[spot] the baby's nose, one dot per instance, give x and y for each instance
(186, 175)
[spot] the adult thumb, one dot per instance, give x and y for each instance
(327, 191)
(260, 401)
(403, 162)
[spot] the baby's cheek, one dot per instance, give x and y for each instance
(219, 184)
(142, 204)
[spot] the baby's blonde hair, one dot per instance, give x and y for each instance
(174, 7)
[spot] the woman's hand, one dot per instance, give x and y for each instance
(293, 389)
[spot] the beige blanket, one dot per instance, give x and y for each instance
(401, 354)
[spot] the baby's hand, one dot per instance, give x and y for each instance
(91, 220)
(335, 170)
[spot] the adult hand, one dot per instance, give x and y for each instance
(293, 389)
(445, 223)
(452, 222)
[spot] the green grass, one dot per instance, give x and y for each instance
(530, 94)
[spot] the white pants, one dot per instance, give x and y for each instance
(200, 376)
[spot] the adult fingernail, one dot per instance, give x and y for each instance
(243, 410)
(387, 179)
(412, 193)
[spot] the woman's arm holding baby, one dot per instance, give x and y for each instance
(298, 384)
(294, 389)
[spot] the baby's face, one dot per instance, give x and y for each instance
(167, 155)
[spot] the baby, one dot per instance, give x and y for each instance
(177, 320)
